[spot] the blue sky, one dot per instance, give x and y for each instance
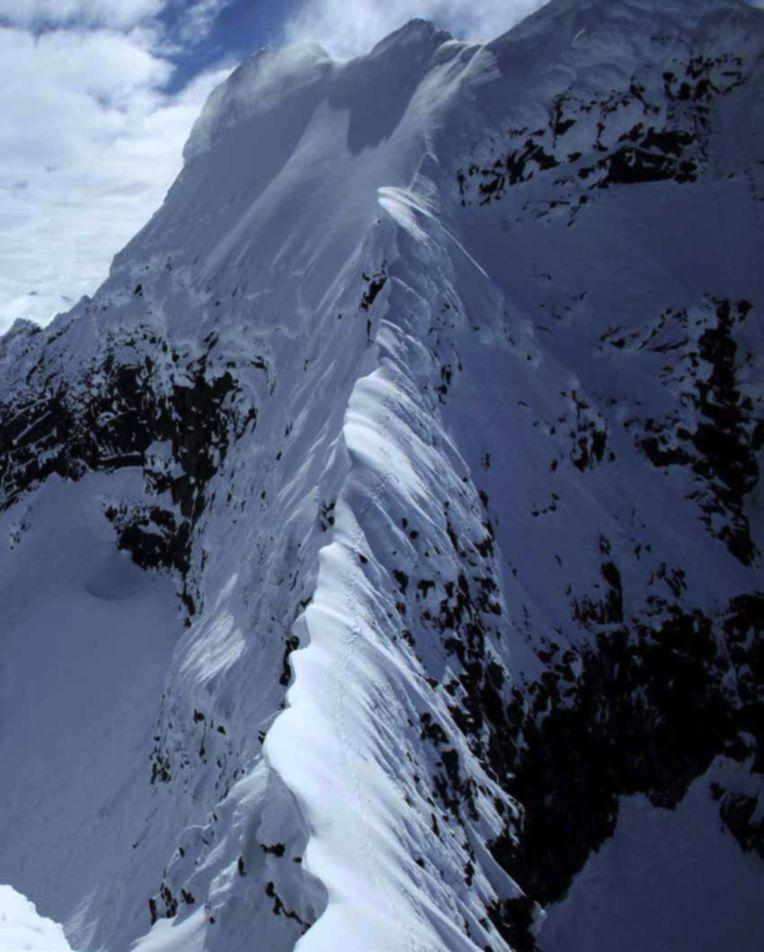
(100, 95)
(234, 30)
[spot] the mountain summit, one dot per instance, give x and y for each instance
(380, 546)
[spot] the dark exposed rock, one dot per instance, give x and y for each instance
(125, 409)
(280, 909)
(170, 902)
(717, 429)
(292, 643)
(160, 766)
(374, 285)
(647, 714)
(668, 144)
(277, 849)
(326, 515)
(629, 165)
(743, 815)
(515, 921)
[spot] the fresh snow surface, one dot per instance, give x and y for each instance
(87, 642)
(23, 930)
(377, 445)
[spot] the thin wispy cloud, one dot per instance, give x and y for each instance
(112, 13)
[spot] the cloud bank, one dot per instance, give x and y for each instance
(89, 141)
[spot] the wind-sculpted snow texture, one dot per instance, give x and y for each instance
(390, 517)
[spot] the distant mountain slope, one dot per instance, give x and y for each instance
(389, 522)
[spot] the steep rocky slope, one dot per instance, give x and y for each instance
(388, 523)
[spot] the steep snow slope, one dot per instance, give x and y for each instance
(433, 389)
(87, 641)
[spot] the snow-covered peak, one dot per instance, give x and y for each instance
(414, 37)
(269, 78)
(259, 85)
(393, 510)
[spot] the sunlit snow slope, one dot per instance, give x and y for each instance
(380, 546)
(23, 930)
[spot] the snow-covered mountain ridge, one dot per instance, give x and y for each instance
(389, 520)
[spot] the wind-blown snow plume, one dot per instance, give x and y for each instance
(350, 29)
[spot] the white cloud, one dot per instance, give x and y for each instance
(197, 19)
(89, 144)
(348, 29)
